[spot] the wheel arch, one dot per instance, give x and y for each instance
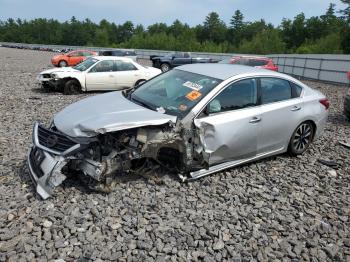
(139, 80)
(66, 79)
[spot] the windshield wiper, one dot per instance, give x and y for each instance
(141, 103)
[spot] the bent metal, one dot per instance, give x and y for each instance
(236, 114)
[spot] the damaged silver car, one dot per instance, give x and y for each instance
(194, 120)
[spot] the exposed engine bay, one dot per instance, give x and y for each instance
(100, 160)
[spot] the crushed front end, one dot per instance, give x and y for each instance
(49, 154)
(100, 159)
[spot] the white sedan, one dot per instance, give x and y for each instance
(97, 73)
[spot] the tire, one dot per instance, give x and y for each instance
(62, 63)
(165, 67)
(139, 82)
(45, 85)
(72, 87)
(301, 138)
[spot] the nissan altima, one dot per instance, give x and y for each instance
(194, 120)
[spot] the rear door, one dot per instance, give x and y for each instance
(126, 74)
(281, 112)
(101, 76)
(230, 127)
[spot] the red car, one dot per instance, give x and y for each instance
(72, 58)
(255, 61)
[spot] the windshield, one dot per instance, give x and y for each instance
(175, 92)
(86, 64)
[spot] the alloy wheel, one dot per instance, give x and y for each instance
(302, 137)
(165, 67)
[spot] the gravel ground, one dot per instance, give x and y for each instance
(281, 208)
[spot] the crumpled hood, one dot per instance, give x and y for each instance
(59, 70)
(106, 113)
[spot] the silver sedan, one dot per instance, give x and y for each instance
(194, 120)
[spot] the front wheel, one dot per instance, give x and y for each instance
(71, 87)
(62, 63)
(301, 138)
(165, 67)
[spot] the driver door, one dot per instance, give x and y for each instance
(229, 128)
(101, 76)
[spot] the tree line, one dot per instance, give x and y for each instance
(327, 33)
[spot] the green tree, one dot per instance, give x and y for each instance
(214, 28)
(346, 11)
(266, 42)
(235, 32)
(330, 44)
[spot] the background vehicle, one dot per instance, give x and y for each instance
(255, 61)
(97, 73)
(72, 58)
(165, 63)
(127, 53)
(347, 104)
(195, 120)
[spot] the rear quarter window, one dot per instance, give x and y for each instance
(296, 90)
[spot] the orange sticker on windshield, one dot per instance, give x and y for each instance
(193, 95)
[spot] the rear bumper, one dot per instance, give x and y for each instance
(321, 125)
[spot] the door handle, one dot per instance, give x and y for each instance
(111, 75)
(255, 120)
(295, 108)
(136, 74)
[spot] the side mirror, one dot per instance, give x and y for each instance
(213, 107)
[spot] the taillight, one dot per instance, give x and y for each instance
(325, 103)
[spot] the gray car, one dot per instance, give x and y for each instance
(195, 120)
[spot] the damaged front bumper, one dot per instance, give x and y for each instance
(46, 158)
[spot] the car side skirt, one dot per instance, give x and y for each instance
(217, 168)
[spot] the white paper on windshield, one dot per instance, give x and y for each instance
(193, 86)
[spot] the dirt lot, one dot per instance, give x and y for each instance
(280, 208)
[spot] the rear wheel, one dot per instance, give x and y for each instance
(62, 63)
(71, 87)
(165, 67)
(301, 138)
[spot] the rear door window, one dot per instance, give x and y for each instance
(274, 90)
(257, 62)
(241, 61)
(125, 66)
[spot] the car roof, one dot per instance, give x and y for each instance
(127, 59)
(226, 71)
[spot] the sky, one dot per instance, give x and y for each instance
(147, 12)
